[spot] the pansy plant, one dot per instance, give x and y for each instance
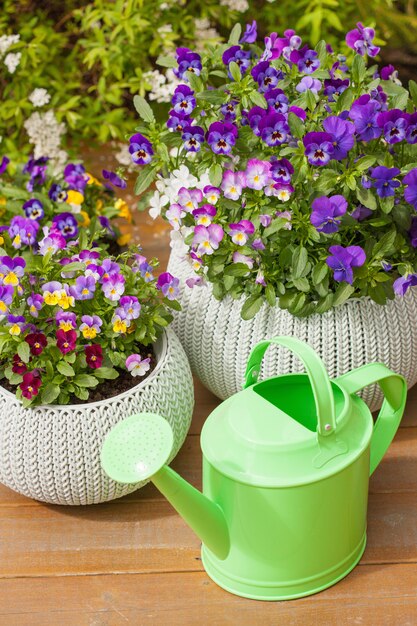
(71, 319)
(288, 173)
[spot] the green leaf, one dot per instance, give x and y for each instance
(235, 71)
(296, 125)
(235, 34)
(214, 96)
(400, 101)
(81, 393)
(23, 351)
(385, 245)
(325, 304)
(257, 99)
(301, 284)
(251, 307)
(365, 163)
(270, 295)
(237, 269)
(412, 86)
(311, 100)
(166, 61)
(319, 272)
(378, 294)
(108, 373)
(144, 180)
(144, 110)
(299, 261)
(345, 99)
(50, 393)
(366, 197)
(343, 293)
(216, 174)
(386, 204)
(85, 380)
(358, 69)
(65, 368)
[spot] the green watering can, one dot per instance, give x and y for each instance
(286, 464)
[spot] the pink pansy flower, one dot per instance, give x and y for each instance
(257, 174)
(287, 215)
(208, 238)
(233, 184)
(136, 365)
(211, 194)
(241, 231)
(204, 215)
(242, 258)
(189, 198)
(283, 191)
(174, 215)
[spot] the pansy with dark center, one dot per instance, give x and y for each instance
(229, 110)
(75, 176)
(94, 356)
(183, 100)
(266, 75)
(281, 170)
(411, 132)
(410, 193)
(221, 137)
(361, 39)
(307, 60)
(239, 56)
(37, 342)
(274, 129)
(384, 180)
(318, 147)
(57, 193)
(255, 115)
(394, 125)
(193, 137)
(140, 149)
(276, 99)
(177, 121)
(67, 225)
(30, 385)
(333, 87)
(188, 61)
(34, 209)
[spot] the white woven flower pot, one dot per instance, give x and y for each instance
(218, 342)
(52, 453)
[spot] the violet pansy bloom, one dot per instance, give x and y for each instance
(188, 61)
(239, 56)
(3, 164)
(207, 239)
(6, 297)
(16, 323)
(388, 72)
(343, 260)
(36, 168)
(11, 269)
(34, 209)
(113, 287)
(364, 114)
(274, 129)
(189, 199)
(169, 285)
(384, 180)
(211, 194)
(327, 213)
(281, 170)
(299, 112)
(204, 215)
(412, 232)
(241, 231)
(174, 215)
(265, 220)
(51, 243)
(177, 121)
(237, 257)
(334, 87)
(221, 137)
(360, 39)
(394, 125)
(255, 115)
(283, 191)
(90, 326)
(318, 148)
(22, 231)
(306, 60)
(402, 284)
(140, 149)
(250, 34)
(114, 179)
(343, 136)
(361, 213)
(84, 288)
(265, 75)
(109, 268)
(411, 133)
(131, 307)
(257, 173)
(229, 110)
(66, 224)
(66, 320)
(75, 176)
(276, 99)
(35, 302)
(410, 193)
(233, 184)
(57, 193)
(193, 137)
(183, 100)
(307, 83)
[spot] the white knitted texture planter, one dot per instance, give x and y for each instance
(218, 342)
(52, 453)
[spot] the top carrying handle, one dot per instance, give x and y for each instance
(317, 373)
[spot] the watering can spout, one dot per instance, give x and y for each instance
(137, 449)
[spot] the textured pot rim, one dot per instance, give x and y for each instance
(161, 349)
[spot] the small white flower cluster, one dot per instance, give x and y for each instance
(45, 133)
(236, 5)
(12, 60)
(6, 41)
(162, 85)
(204, 33)
(39, 97)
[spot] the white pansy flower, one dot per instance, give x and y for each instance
(182, 177)
(204, 181)
(39, 97)
(157, 202)
(12, 61)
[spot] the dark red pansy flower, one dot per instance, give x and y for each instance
(37, 342)
(30, 385)
(18, 367)
(65, 340)
(94, 356)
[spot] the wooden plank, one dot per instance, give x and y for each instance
(148, 536)
(369, 595)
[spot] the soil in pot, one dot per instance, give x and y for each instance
(108, 388)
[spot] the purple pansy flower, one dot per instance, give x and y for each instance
(361, 213)
(241, 231)
(229, 110)
(140, 149)
(221, 136)
(402, 284)
(66, 320)
(299, 112)
(109, 268)
(388, 72)
(84, 288)
(306, 60)
(193, 137)
(188, 61)
(274, 129)
(275, 45)
(105, 223)
(318, 148)
(276, 99)
(183, 100)
(204, 215)
(114, 179)
(3, 164)
(90, 326)
(56, 193)
(6, 297)
(67, 225)
(239, 56)
(413, 232)
(130, 306)
(35, 302)
(11, 269)
(258, 244)
(250, 34)
(189, 199)
(22, 231)
(410, 193)
(255, 115)
(281, 170)
(34, 209)
(233, 184)
(384, 180)
(334, 87)
(308, 83)
(364, 113)
(257, 173)
(283, 191)
(169, 285)
(237, 257)
(411, 133)
(75, 176)
(113, 287)
(265, 220)
(174, 215)
(36, 168)
(16, 323)
(360, 39)
(342, 260)
(51, 243)
(211, 194)
(207, 239)
(327, 213)
(394, 125)
(178, 121)
(265, 75)
(343, 136)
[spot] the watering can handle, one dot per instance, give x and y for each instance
(394, 388)
(317, 373)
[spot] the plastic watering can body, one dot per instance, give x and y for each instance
(286, 466)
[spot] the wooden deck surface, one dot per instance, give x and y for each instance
(134, 561)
